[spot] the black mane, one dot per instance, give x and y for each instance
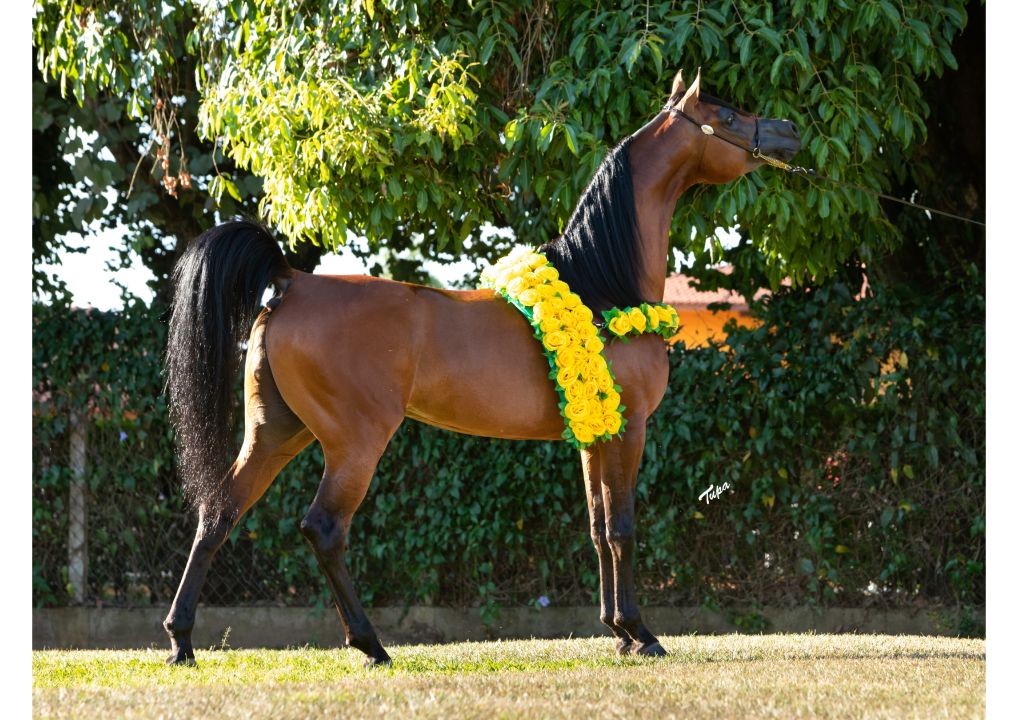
(598, 254)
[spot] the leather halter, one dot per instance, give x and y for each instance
(709, 130)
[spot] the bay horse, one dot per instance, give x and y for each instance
(345, 359)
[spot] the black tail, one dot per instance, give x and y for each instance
(218, 285)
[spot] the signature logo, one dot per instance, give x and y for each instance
(714, 492)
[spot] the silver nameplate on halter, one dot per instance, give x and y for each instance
(707, 129)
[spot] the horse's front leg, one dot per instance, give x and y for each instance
(621, 463)
(590, 458)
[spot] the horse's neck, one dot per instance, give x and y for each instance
(657, 185)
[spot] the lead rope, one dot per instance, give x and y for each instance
(810, 172)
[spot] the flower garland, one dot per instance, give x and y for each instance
(590, 400)
(658, 319)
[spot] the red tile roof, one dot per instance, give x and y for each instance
(681, 293)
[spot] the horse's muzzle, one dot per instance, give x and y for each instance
(779, 139)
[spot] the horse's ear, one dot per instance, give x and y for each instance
(678, 86)
(693, 93)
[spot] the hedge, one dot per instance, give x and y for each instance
(850, 433)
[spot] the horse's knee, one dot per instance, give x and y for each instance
(323, 530)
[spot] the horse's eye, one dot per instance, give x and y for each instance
(731, 119)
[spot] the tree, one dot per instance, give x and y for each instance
(414, 123)
(135, 158)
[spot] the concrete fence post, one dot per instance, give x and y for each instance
(77, 533)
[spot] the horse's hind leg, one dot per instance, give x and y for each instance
(248, 479)
(273, 435)
(349, 467)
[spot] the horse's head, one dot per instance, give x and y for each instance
(727, 141)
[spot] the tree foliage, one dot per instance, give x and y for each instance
(125, 152)
(414, 123)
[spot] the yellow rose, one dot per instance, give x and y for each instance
(620, 324)
(571, 300)
(574, 339)
(652, 317)
(567, 357)
(555, 340)
(595, 370)
(576, 409)
(593, 344)
(529, 297)
(586, 331)
(516, 285)
(560, 287)
(566, 376)
(546, 291)
(604, 382)
(564, 315)
(543, 311)
(550, 324)
(574, 391)
(555, 306)
(611, 401)
(597, 426)
(581, 430)
(637, 319)
(546, 274)
(576, 317)
(612, 422)
(589, 390)
(536, 260)
(583, 314)
(596, 366)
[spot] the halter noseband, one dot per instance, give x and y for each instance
(708, 130)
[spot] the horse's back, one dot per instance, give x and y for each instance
(367, 352)
(357, 348)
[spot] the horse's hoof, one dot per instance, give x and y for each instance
(182, 659)
(652, 650)
(624, 648)
(373, 662)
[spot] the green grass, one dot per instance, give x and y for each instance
(730, 676)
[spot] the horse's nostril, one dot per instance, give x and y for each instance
(793, 129)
